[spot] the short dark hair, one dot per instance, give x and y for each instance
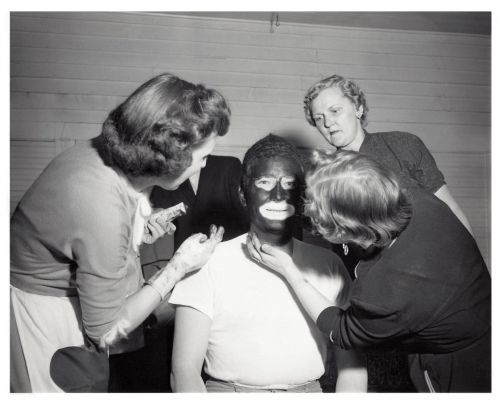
(153, 131)
(352, 198)
(348, 87)
(269, 147)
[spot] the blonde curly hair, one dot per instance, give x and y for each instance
(352, 198)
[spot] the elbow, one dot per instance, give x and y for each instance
(173, 384)
(177, 373)
(186, 377)
(352, 380)
(352, 371)
(120, 330)
(106, 328)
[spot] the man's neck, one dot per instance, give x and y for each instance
(281, 241)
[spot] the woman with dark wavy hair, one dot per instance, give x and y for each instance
(423, 289)
(75, 269)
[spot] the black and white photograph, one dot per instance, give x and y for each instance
(250, 200)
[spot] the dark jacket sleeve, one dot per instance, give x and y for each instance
(218, 200)
(425, 168)
(233, 186)
(361, 325)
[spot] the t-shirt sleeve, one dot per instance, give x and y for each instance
(196, 291)
(423, 167)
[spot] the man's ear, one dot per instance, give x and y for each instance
(242, 197)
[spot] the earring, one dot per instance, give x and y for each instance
(346, 249)
(359, 114)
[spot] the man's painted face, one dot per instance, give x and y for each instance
(273, 194)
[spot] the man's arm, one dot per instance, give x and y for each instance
(444, 194)
(352, 372)
(192, 330)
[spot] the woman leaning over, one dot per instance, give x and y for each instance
(423, 287)
(75, 270)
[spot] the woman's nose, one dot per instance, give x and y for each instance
(328, 121)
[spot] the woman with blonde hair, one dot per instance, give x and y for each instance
(423, 287)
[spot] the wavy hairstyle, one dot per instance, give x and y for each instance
(352, 198)
(153, 132)
(348, 87)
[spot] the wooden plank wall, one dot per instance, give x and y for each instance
(68, 70)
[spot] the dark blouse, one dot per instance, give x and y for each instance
(407, 156)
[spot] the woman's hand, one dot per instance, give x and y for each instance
(311, 299)
(271, 257)
(195, 251)
(153, 230)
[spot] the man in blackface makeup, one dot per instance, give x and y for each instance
(244, 322)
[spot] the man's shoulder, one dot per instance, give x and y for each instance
(323, 268)
(232, 249)
(311, 247)
(316, 253)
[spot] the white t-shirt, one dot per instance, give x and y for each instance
(260, 336)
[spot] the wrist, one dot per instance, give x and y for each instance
(293, 275)
(178, 267)
(163, 281)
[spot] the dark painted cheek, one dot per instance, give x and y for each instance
(254, 202)
(293, 196)
(289, 197)
(262, 198)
